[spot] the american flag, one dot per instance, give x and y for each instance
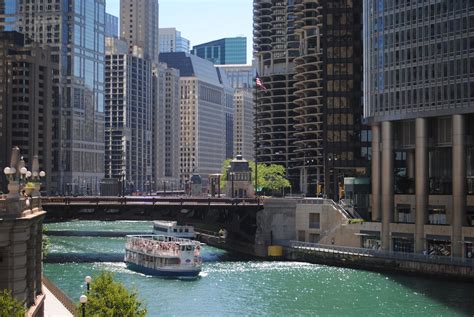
(259, 83)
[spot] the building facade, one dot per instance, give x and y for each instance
(111, 25)
(21, 267)
(172, 41)
(418, 99)
(241, 78)
(167, 127)
(74, 30)
(231, 50)
(26, 99)
(205, 97)
(244, 124)
(128, 118)
(275, 47)
(139, 27)
(309, 57)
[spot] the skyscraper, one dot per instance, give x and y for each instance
(111, 25)
(241, 78)
(230, 50)
(276, 46)
(139, 27)
(205, 104)
(75, 32)
(26, 99)
(418, 99)
(309, 118)
(172, 41)
(167, 127)
(128, 117)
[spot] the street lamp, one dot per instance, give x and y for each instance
(83, 300)
(88, 280)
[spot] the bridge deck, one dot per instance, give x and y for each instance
(147, 200)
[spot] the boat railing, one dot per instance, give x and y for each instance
(168, 247)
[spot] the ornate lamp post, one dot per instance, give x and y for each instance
(88, 281)
(83, 300)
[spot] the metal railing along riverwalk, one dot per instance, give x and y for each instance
(401, 256)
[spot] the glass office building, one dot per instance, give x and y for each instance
(232, 50)
(111, 25)
(74, 30)
(8, 15)
(418, 99)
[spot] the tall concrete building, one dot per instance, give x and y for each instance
(309, 57)
(167, 127)
(241, 78)
(27, 93)
(230, 50)
(205, 104)
(275, 47)
(75, 32)
(418, 99)
(111, 25)
(172, 41)
(128, 117)
(244, 124)
(139, 27)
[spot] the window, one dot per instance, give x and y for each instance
(314, 220)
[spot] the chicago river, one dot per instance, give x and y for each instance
(231, 286)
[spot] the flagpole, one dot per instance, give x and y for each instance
(256, 141)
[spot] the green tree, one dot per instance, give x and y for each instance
(270, 177)
(9, 306)
(273, 177)
(110, 298)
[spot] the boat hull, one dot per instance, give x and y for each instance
(165, 272)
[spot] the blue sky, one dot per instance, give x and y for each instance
(202, 21)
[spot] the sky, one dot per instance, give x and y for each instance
(202, 21)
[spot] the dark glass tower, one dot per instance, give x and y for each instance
(419, 97)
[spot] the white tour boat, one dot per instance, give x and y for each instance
(164, 256)
(171, 228)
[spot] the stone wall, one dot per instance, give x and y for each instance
(276, 222)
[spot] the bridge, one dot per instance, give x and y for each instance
(237, 215)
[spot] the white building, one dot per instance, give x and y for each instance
(167, 128)
(205, 109)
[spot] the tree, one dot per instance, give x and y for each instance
(9, 306)
(271, 177)
(110, 298)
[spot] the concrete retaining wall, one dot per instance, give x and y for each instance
(380, 264)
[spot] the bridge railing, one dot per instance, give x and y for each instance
(66, 200)
(416, 257)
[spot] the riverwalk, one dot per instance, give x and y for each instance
(56, 303)
(360, 258)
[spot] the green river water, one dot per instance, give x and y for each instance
(229, 286)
